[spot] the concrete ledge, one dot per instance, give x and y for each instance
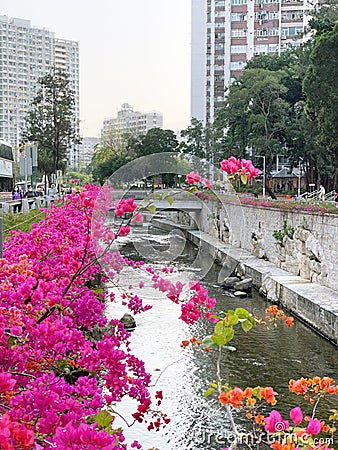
(315, 305)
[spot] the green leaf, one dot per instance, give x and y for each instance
(221, 339)
(242, 313)
(244, 179)
(98, 290)
(103, 419)
(256, 392)
(231, 319)
(11, 341)
(62, 364)
(170, 200)
(219, 327)
(151, 208)
(192, 189)
(247, 325)
(208, 392)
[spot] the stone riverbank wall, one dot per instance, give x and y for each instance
(307, 246)
(299, 270)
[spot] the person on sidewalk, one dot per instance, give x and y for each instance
(52, 192)
(321, 193)
(17, 195)
(29, 195)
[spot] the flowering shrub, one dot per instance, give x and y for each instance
(59, 385)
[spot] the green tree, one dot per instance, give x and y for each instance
(255, 113)
(321, 89)
(51, 121)
(155, 140)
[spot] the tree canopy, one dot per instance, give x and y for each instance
(51, 121)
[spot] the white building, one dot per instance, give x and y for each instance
(26, 54)
(132, 122)
(86, 151)
(227, 33)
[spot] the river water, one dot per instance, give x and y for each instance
(264, 358)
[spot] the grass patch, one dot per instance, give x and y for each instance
(23, 221)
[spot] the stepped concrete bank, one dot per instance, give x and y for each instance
(314, 304)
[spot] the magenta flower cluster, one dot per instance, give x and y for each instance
(55, 376)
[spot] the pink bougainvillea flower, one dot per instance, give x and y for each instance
(231, 165)
(6, 382)
(296, 415)
(314, 426)
(275, 422)
(193, 177)
(207, 183)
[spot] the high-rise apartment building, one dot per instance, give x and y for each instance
(132, 122)
(227, 33)
(86, 151)
(26, 54)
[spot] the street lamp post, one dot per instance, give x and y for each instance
(264, 175)
(299, 178)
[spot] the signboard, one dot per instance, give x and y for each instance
(25, 166)
(6, 168)
(32, 152)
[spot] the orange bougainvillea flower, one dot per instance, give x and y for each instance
(298, 387)
(185, 343)
(247, 393)
(224, 398)
(233, 397)
(236, 396)
(289, 322)
(260, 419)
(269, 395)
(272, 309)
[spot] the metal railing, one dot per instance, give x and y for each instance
(26, 204)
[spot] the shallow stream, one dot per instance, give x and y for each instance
(265, 358)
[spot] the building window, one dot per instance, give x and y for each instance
(260, 49)
(274, 31)
(274, 15)
(238, 32)
(238, 17)
(273, 48)
(262, 32)
(237, 65)
(292, 31)
(238, 49)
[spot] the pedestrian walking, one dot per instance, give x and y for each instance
(321, 193)
(17, 195)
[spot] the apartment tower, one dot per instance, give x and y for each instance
(26, 54)
(134, 123)
(227, 33)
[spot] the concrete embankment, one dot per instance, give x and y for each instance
(315, 305)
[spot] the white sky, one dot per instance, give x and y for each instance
(133, 51)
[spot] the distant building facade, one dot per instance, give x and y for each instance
(228, 33)
(86, 151)
(132, 122)
(26, 54)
